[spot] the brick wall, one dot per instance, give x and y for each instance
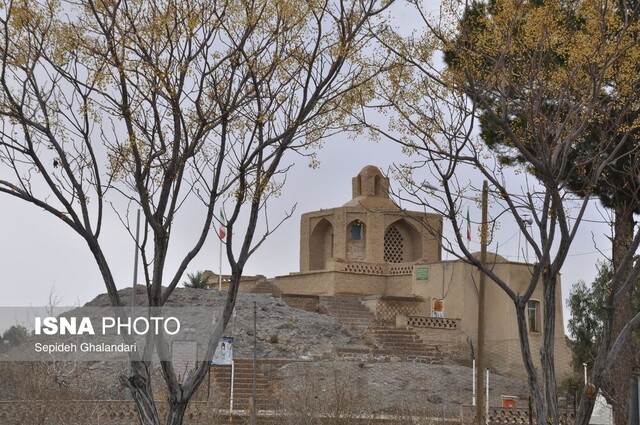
(304, 302)
(505, 415)
(451, 342)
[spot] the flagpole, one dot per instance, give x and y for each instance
(220, 269)
(222, 232)
(468, 230)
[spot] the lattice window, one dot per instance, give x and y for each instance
(386, 311)
(432, 322)
(393, 246)
(401, 270)
(363, 268)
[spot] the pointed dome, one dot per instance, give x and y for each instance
(370, 189)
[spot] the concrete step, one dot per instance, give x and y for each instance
(265, 286)
(243, 384)
(394, 331)
(403, 343)
(349, 311)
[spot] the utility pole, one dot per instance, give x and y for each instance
(255, 395)
(481, 319)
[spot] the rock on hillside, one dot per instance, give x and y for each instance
(291, 333)
(387, 388)
(282, 331)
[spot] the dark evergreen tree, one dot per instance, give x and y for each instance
(615, 124)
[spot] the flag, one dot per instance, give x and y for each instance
(222, 231)
(468, 226)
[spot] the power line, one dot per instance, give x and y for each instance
(429, 186)
(451, 235)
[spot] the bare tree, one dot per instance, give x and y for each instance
(150, 104)
(525, 59)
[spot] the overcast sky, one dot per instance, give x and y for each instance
(39, 254)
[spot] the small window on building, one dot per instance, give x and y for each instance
(356, 230)
(533, 315)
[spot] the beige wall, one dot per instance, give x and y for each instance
(333, 263)
(326, 233)
(331, 283)
(457, 283)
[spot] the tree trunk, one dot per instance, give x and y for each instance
(622, 369)
(547, 352)
(139, 383)
(147, 412)
(175, 416)
(583, 416)
(532, 373)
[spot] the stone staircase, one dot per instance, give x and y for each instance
(265, 286)
(266, 398)
(349, 311)
(388, 344)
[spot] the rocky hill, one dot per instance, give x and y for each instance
(286, 332)
(312, 344)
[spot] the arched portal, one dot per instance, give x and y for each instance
(320, 245)
(401, 243)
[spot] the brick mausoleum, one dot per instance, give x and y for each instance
(370, 254)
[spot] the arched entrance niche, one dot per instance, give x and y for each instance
(320, 245)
